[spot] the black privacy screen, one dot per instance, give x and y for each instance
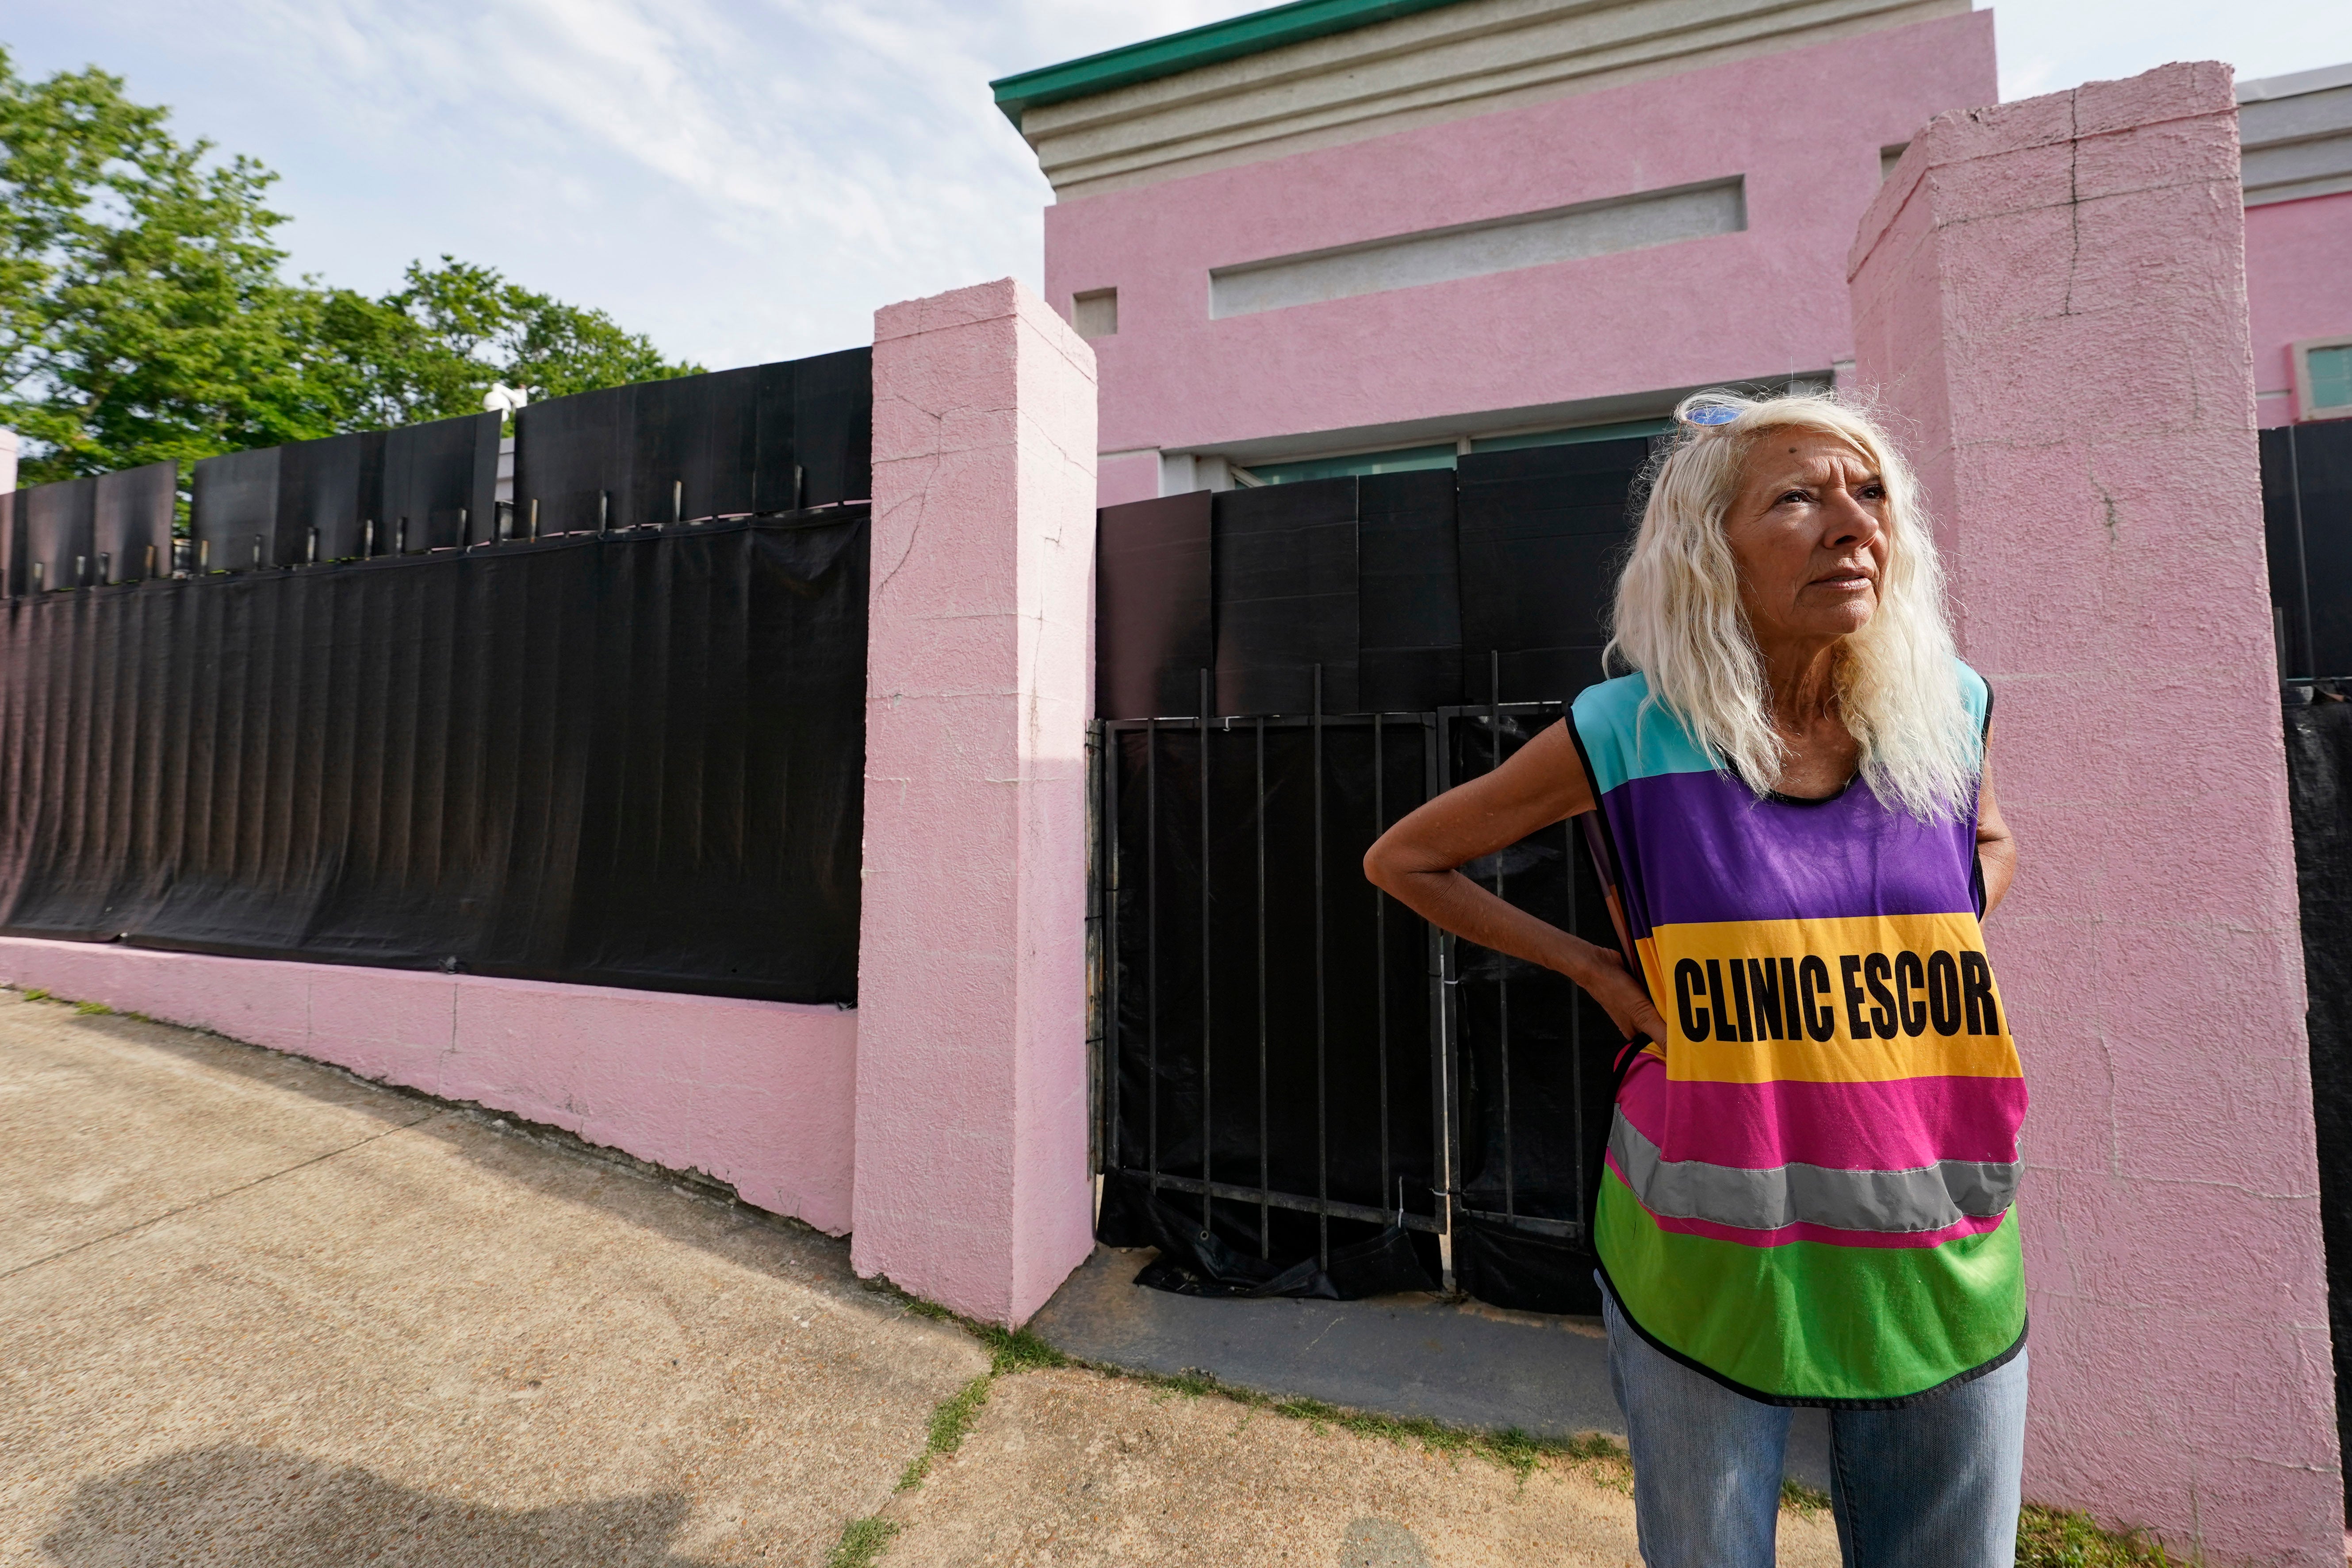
(619, 761)
(2319, 793)
(88, 533)
(1296, 1065)
(767, 438)
(1273, 1020)
(2307, 526)
(384, 492)
(131, 519)
(1410, 591)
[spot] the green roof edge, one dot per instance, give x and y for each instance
(1195, 47)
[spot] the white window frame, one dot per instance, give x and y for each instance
(2302, 355)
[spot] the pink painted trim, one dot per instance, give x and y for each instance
(756, 1094)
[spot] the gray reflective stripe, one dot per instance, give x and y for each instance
(1928, 1198)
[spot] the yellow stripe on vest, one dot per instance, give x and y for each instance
(1862, 999)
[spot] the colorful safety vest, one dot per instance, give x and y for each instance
(1809, 1188)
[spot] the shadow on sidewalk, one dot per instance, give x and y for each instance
(716, 1221)
(260, 1508)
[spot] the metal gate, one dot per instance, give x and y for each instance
(1301, 1085)
(1295, 1061)
(1267, 1013)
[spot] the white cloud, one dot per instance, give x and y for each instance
(743, 179)
(748, 179)
(2047, 44)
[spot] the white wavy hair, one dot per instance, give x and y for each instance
(1679, 621)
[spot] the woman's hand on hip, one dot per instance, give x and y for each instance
(1417, 862)
(1603, 975)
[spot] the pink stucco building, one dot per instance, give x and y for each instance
(1354, 236)
(1358, 236)
(2296, 133)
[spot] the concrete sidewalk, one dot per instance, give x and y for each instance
(253, 1311)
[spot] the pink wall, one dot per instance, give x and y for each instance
(2298, 286)
(2049, 296)
(1804, 127)
(1127, 476)
(944, 1122)
(757, 1094)
(972, 1187)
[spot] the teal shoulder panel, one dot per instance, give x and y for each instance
(1628, 734)
(1975, 694)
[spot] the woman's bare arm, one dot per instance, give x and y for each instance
(1996, 845)
(1416, 862)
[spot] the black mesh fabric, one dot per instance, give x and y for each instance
(1535, 1052)
(1339, 1025)
(768, 439)
(131, 522)
(1412, 594)
(1285, 576)
(61, 531)
(618, 760)
(2319, 794)
(13, 559)
(1154, 633)
(1543, 532)
(233, 518)
(328, 491)
(2307, 528)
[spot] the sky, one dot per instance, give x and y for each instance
(746, 179)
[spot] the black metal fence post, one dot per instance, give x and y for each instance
(1208, 968)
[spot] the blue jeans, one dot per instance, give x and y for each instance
(1932, 1485)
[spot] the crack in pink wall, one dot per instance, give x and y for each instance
(972, 1187)
(2049, 299)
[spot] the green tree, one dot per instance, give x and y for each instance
(430, 349)
(143, 314)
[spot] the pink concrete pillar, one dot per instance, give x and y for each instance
(2049, 299)
(971, 1182)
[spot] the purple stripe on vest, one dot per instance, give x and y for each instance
(1900, 1125)
(1712, 851)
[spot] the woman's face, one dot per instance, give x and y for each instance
(1809, 531)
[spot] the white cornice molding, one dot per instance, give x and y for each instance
(1445, 64)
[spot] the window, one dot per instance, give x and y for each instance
(1397, 460)
(1481, 249)
(1405, 460)
(1095, 313)
(2322, 378)
(1615, 432)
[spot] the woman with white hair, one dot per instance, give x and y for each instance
(1807, 1198)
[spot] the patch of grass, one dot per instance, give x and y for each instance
(1798, 1497)
(91, 1009)
(37, 994)
(2053, 1538)
(861, 1542)
(951, 1423)
(1516, 1451)
(1016, 1350)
